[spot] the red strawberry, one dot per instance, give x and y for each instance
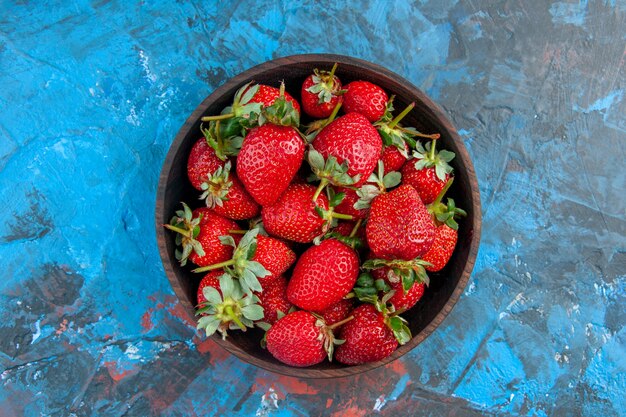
(346, 206)
(441, 250)
(346, 228)
(198, 234)
(266, 95)
(353, 139)
(338, 311)
(273, 299)
(274, 255)
(404, 300)
(226, 195)
(255, 258)
(320, 93)
(201, 162)
(323, 275)
(365, 98)
(293, 216)
(429, 172)
(269, 158)
(393, 159)
(399, 225)
(300, 339)
(367, 337)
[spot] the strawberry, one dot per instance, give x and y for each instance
(199, 235)
(338, 311)
(269, 158)
(202, 160)
(222, 306)
(365, 98)
(353, 139)
(430, 172)
(320, 93)
(404, 300)
(323, 275)
(224, 193)
(441, 251)
(266, 95)
(273, 299)
(392, 285)
(369, 336)
(255, 257)
(393, 158)
(301, 339)
(399, 225)
(346, 206)
(293, 216)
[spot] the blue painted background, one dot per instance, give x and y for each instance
(92, 94)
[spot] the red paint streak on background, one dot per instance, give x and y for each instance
(115, 373)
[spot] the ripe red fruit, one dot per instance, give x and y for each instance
(202, 161)
(441, 250)
(293, 215)
(392, 158)
(273, 298)
(323, 275)
(402, 300)
(320, 93)
(353, 139)
(267, 95)
(224, 193)
(365, 98)
(399, 225)
(297, 339)
(274, 255)
(347, 204)
(367, 337)
(429, 172)
(338, 311)
(269, 158)
(198, 234)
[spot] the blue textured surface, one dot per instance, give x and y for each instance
(92, 94)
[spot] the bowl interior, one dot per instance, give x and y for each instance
(446, 286)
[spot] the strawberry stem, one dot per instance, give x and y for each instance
(399, 117)
(237, 232)
(323, 183)
(355, 228)
(433, 136)
(231, 314)
(177, 229)
(432, 150)
(339, 323)
(218, 117)
(333, 114)
(341, 216)
(331, 75)
(215, 266)
(443, 191)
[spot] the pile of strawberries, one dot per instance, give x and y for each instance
(320, 234)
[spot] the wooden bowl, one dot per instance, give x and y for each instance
(446, 286)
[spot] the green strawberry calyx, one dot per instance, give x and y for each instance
(187, 228)
(281, 112)
(383, 182)
(326, 335)
(325, 85)
(330, 216)
(216, 187)
(243, 107)
(446, 213)
(232, 309)
(393, 134)
(225, 139)
(241, 267)
(367, 290)
(428, 158)
(351, 240)
(329, 171)
(407, 272)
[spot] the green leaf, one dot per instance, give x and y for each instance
(227, 240)
(316, 160)
(365, 280)
(212, 295)
(441, 172)
(197, 248)
(263, 325)
(408, 279)
(319, 211)
(208, 324)
(251, 91)
(446, 155)
(258, 269)
(395, 323)
(248, 238)
(402, 335)
(381, 285)
(392, 179)
(251, 249)
(253, 312)
(336, 199)
(227, 285)
(251, 281)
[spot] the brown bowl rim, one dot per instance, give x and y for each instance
(462, 154)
